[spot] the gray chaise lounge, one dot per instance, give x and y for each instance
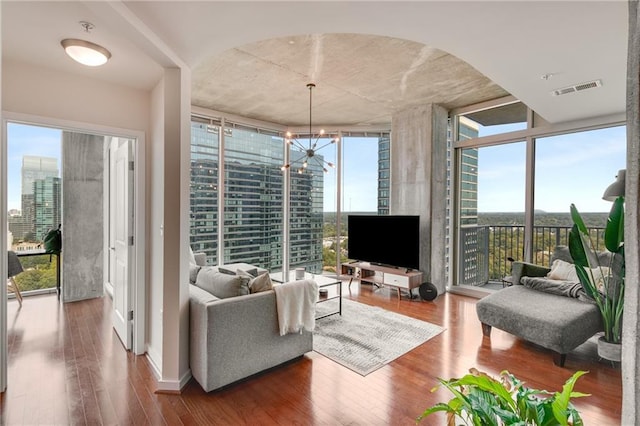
(555, 322)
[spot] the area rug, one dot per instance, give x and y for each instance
(365, 338)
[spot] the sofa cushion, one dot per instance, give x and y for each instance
(222, 285)
(561, 270)
(257, 284)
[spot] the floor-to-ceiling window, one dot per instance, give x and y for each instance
(252, 192)
(205, 136)
(365, 185)
(515, 182)
(253, 202)
(573, 168)
(34, 200)
(313, 192)
(491, 211)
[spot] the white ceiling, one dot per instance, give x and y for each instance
(368, 59)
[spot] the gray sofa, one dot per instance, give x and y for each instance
(236, 337)
(553, 321)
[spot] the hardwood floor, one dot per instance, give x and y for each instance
(66, 366)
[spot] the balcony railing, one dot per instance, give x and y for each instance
(41, 272)
(485, 250)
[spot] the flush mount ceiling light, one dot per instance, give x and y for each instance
(310, 150)
(85, 52)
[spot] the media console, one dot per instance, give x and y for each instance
(398, 278)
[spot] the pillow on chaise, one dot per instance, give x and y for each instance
(564, 271)
(221, 285)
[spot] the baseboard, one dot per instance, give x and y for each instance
(172, 386)
(151, 357)
(167, 386)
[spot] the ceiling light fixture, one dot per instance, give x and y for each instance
(86, 52)
(310, 150)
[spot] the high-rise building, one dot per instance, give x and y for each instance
(468, 129)
(472, 239)
(46, 205)
(384, 167)
(34, 168)
(253, 198)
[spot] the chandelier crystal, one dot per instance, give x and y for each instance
(312, 148)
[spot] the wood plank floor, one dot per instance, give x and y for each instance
(66, 366)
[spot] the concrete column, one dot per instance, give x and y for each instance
(631, 323)
(82, 216)
(419, 179)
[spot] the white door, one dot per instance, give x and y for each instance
(122, 231)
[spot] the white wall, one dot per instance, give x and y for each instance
(155, 180)
(28, 89)
(168, 183)
(163, 114)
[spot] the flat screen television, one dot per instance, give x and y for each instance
(385, 240)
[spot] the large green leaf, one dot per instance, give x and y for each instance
(576, 248)
(614, 231)
(561, 404)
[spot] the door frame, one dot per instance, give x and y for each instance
(139, 226)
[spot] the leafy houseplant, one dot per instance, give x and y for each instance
(602, 283)
(481, 400)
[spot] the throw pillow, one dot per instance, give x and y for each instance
(193, 272)
(221, 285)
(260, 283)
(565, 271)
(257, 284)
(252, 271)
(192, 257)
(599, 276)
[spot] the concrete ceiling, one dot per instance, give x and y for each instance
(361, 79)
(368, 59)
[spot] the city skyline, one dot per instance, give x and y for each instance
(564, 175)
(27, 140)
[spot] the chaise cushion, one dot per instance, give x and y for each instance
(557, 323)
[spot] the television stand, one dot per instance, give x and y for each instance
(383, 276)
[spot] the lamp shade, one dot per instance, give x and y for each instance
(85, 52)
(616, 189)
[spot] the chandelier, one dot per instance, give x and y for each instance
(309, 150)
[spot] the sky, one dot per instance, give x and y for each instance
(27, 140)
(573, 168)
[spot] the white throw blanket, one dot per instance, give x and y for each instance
(296, 303)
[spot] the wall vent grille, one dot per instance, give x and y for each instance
(577, 87)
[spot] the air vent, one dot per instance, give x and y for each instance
(577, 88)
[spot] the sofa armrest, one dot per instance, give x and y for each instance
(526, 269)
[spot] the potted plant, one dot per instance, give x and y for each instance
(602, 283)
(481, 400)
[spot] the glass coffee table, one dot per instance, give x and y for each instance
(332, 285)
